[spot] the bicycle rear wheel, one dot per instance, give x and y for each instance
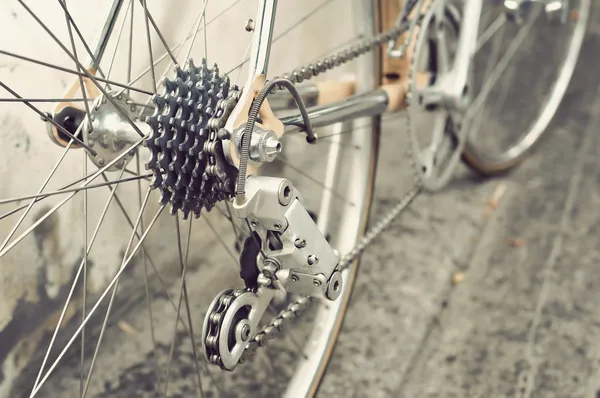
(521, 73)
(145, 342)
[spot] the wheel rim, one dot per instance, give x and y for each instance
(489, 154)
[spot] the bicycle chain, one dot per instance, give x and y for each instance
(298, 306)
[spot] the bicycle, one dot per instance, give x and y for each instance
(205, 135)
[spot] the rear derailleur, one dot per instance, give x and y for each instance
(286, 253)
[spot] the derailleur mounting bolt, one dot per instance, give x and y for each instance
(316, 282)
(312, 259)
(300, 243)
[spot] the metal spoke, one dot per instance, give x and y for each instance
(98, 303)
(87, 120)
(154, 268)
(490, 31)
(118, 40)
(113, 294)
(43, 99)
(475, 125)
(205, 41)
(52, 172)
(311, 178)
(157, 30)
(222, 242)
(178, 46)
(51, 211)
(171, 63)
(85, 280)
(149, 42)
(58, 126)
(183, 265)
(75, 279)
(130, 52)
(196, 30)
(17, 209)
(77, 189)
(499, 69)
(89, 75)
(72, 23)
(67, 70)
(182, 290)
(146, 286)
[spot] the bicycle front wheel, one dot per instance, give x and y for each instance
(521, 71)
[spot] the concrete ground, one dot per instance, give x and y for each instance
(524, 320)
(457, 299)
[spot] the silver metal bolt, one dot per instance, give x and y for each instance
(101, 162)
(316, 282)
(254, 223)
(270, 268)
(285, 193)
(294, 278)
(245, 332)
(276, 226)
(312, 259)
(91, 143)
(249, 25)
(300, 243)
(272, 148)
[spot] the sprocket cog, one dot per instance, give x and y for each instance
(182, 143)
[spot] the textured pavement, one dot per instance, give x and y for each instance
(457, 299)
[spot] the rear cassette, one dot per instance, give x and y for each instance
(181, 137)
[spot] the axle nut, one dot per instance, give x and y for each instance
(334, 286)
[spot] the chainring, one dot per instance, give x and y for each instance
(435, 166)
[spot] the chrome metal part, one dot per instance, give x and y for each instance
(232, 319)
(105, 35)
(314, 256)
(305, 261)
(434, 111)
(368, 104)
(261, 50)
(451, 87)
(264, 144)
(112, 132)
(283, 100)
(262, 203)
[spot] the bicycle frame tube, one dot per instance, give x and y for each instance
(467, 44)
(371, 103)
(261, 45)
(259, 59)
(106, 32)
